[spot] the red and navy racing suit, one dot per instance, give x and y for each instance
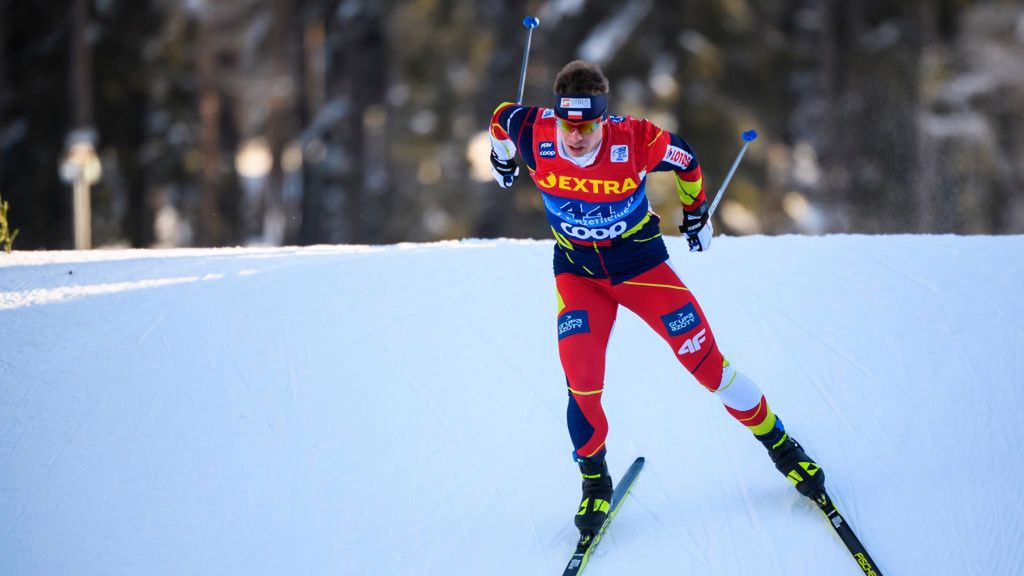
(609, 251)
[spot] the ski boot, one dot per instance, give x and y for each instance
(597, 495)
(790, 459)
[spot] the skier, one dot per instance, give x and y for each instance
(591, 168)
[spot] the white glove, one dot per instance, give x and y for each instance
(505, 172)
(698, 229)
(701, 241)
(503, 161)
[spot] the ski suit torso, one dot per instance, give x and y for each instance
(600, 215)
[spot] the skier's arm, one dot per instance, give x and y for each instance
(511, 131)
(668, 151)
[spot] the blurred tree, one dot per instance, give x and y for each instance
(125, 208)
(357, 73)
(6, 91)
(34, 121)
(367, 117)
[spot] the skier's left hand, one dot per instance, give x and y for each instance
(698, 229)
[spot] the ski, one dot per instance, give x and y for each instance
(845, 532)
(588, 542)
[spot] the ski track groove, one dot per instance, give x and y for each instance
(822, 341)
(19, 516)
(528, 384)
(813, 382)
(750, 509)
(900, 273)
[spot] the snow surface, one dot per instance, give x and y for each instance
(400, 410)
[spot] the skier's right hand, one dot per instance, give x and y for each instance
(505, 172)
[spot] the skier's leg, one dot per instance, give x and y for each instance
(586, 314)
(667, 305)
(663, 301)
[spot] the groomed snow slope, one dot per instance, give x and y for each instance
(400, 410)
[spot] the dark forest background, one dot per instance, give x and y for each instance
(235, 122)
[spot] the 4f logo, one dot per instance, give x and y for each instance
(693, 344)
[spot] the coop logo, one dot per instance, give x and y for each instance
(678, 157)
(574, 103)
(587, 185)
(682, 320)
(573, 322)
(547, 149)
(620, 153)
(693, 344)
(583, 233)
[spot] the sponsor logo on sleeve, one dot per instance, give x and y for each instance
(620, 153)
(682, 320)
(678, 157)
(574, 103)
(616, 119)
(573, 322)
(548, 113)
(547, 149)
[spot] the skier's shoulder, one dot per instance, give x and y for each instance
(640, 128)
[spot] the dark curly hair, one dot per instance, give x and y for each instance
(579, 77)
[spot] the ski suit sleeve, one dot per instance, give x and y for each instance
(512, 131)
(667, 151)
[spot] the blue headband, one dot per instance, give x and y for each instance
(581, 107)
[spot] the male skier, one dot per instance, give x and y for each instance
(591, 168)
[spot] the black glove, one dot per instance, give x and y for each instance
(504, 171)
(698, 228)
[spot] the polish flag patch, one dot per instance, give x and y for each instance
(575, 114)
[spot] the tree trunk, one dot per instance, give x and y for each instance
(310, 101)
(209, 228)
(4, 86)
(274, 218)
(81, 65)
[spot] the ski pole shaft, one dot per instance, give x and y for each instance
(530, 22)
(748, 137)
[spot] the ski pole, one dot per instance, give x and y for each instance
(530, 22)
(748, 137)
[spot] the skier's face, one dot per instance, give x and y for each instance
(580, 138)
